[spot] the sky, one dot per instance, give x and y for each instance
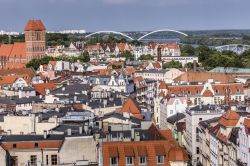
(126, 15)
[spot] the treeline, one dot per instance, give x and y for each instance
(216, 40)
(211, 58)
(35, 63)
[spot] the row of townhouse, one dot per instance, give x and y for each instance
(75, 49)
(224, 140)
(176, 97)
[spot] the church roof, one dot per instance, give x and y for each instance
(34, 25)
(17, 50)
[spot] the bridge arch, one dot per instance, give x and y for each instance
(114, 32)
(162, 30)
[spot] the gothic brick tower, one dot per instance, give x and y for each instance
(35, 32)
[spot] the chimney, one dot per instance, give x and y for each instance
(159, 53)
(200, 105)
(63, 89)
(9, 132)
(80, 130)
(86, 129)
(132, 134)
(69, 132)
(195, 65)
(45, 135)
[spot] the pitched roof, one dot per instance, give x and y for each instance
(14, 66)
(130, 106)
(208, 93)
(156, 65)
(163, 85)
(41, 88)
(29, 71)
(229, 119)
(18, 50)
(246, 123)
(192, 76)
(5, 49)
(31, 141)
(9, 80)
(34, 25)
(144, 148)
(177, 154)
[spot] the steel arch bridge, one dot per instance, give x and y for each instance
(108, 32)
(162, 30)
(237, 48)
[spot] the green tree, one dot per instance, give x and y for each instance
(146, 57)
(127, 55)
(190, 65)
(172, 64)
(35, 63)
(84, 57)
(187, 50)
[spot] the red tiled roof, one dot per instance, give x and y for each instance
(177, 154)
(131, 106)
(246, 122)
(5, 49)
(161, 94)
(156, 65)
(18, 50)
(208, 93)
(14, 66)
(163, 85)
(31, 145)
(143, 148)
(192, 76)
(121, 46)
(40, 88)
(192, 90)
(34, 25)
(229, 119)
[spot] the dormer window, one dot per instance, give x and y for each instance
(130, 160)
(160, 159)
(238, 90)
(142, 160)
(113, 161)
(216, 91)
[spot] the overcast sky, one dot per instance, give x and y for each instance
(126, 15)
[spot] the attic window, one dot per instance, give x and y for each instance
(36, 145)
(216, 91)
(14, 145)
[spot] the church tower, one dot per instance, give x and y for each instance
(35, 42)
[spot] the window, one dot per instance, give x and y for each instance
(160, 159)
(142, 160)
(14, 145)
(171, 112)
(33, 159)
(197, 150)
(36, 145)
(53, 159)
(200, 119)
(113, 161)
(129, 160)
(47, 159)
